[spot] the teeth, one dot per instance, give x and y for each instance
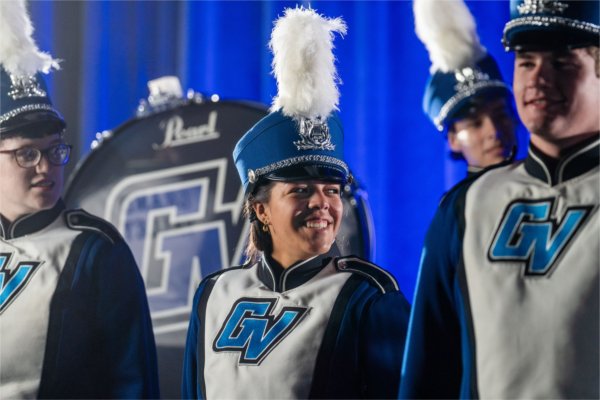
(316, 224)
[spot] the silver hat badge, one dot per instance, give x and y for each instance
(468, 77)
(315, 135)
(25, 86)
(541, 7)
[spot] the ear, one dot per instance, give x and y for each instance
(453, 142)
(261, 212)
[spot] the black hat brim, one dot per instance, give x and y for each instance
(35, 123)
(328, 173)
(307, 172)
(550, 39)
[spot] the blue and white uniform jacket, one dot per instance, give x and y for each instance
(328, 327)
(506, 304)
(74, 319)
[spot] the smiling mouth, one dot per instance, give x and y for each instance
(498, 147)
(316, 224)
(544, 102)
(43, 185)
(495, 149)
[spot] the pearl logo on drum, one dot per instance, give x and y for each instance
(177, 135)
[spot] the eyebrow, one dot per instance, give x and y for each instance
(524, 54)
(50, 144)
(551, 54)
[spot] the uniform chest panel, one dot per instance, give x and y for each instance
(531, 260)
(31, 267)
(264, 344)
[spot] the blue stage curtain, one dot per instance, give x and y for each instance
(112, 48)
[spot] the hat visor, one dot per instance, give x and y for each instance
(36, 123)
(549, 39)
(322, 172)
(465, 107)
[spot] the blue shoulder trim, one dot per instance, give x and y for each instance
(379, 277)
(84, 221)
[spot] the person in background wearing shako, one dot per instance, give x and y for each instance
(74, 319)
(466, 97)
(297, 320)
(507, 303)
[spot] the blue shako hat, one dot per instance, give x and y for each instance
(447, 93)
(280, 148)
(25, 106)
(302, 138)
(461, 68)
(552, 24)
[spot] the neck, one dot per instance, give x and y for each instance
(9, 218)
(284, 260)
(554, 148)
(287, 260)
(4, 220)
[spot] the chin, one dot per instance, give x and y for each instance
(318, 249)
(548, 126)
(47, 202)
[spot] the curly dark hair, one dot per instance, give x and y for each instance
(258, 240)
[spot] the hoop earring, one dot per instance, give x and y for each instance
(265, 228)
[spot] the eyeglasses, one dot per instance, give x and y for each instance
(28, 157)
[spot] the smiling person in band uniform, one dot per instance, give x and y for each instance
(465, 97)
(74, 319)
(507, 304)
(483, 132)
(297, 320)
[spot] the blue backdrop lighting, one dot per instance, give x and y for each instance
(111, 49)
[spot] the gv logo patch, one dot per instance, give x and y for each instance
(253, 331)
(13, 280)
(528, 234)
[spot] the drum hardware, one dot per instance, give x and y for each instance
(165, 94)
(100, 137)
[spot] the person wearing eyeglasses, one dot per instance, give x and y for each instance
(74, 318)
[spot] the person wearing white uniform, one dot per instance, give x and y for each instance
(297, 320)
(507, 301)
(74, 318)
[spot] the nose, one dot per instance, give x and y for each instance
(490, 128)
(541, 74)
(44, 165)
(505, 127)
(318, 200)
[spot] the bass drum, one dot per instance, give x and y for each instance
(168, 183)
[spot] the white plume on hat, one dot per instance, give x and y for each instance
(449, 32)
(19, 54)
(304, 64)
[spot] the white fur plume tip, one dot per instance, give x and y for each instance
(449, 32)
(304, 64)
(19, 54)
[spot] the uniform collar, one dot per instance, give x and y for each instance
(574, 162)
(278, 279)
(472, 171)
(29, 223)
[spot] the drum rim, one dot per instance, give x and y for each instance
(125, 125)
(358, 192)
